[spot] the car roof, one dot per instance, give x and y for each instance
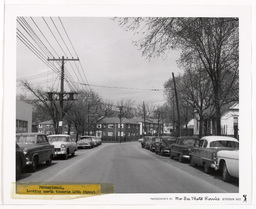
(215, 138)
(188, 137)
(31, 133)
(58, 135)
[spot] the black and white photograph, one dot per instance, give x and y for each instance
(144, 104)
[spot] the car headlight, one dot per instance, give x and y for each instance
(62, 146)
(25, 151)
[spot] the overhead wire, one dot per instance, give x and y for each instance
(73, 50)
(66, 79)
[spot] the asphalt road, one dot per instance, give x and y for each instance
(130, 169)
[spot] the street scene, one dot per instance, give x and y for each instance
(148, 105)
(130, 169)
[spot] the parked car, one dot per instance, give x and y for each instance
(95, 142)
(20, 161)
(163, 145)
(149, 141)
(144, 139)
(85, 142)
(182, 146)
(36, 149)
(64, 145)
(99, 140)
(205, 152)
(228, 163)
(153, 143)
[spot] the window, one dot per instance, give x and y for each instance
(110, 133)
(122, 125)
(129, 126)
(201, 143)
(98, 125)
(110, 125)
(21, 126)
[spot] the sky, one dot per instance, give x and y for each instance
(108, 59)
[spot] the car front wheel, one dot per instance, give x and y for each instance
(225, 174)
(49, 162)
(33, 166)
(207, 169)
(192, 162)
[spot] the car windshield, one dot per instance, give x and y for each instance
(31, 139)
(169, 141)
(57, 139)
(85, 140)
(188, 142)
(224, 143)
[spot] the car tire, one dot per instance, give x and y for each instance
(73, 154)
(180, 158)
(192, 162)
(65, 156)
(225, 174)
(18, 169)
(33, 167)
(49, 162)
(207, 168)
(171, 156)
(162, 152)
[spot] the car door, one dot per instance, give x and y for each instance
(48, 148)
(40, 148)
(174, 147)
(196, 152)
(72, 144)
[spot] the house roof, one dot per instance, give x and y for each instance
(48, 122)
(117, 120)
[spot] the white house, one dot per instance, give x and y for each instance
(229, 120)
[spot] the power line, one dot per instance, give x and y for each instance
(74, 50)
(32, 33)
(126, 88)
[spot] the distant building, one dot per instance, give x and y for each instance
(109, 129)
(168, 128)
(23, 117)
(229, 122)
(152, 126)
(46, 127)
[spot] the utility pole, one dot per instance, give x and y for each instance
(61, 93)
(177, 104)
(144, 118)
(120, 117)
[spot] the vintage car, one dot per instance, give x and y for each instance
(36, 149)
(64, 145)
(85, 142)
(182, 146)
(205, 151)
(162, 147)
(20, 161)
(143, 141)
(228, 163)
(149, 141)
(153, 143)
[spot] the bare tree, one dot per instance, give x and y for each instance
(212, 41)
(41, 101)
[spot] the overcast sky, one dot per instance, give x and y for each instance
(108, 57)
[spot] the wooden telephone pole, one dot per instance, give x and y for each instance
(61, 93)
(177, 105)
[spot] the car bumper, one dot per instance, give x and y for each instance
(28, 161)
(60, 153)
(186, 157)
(84, 146)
